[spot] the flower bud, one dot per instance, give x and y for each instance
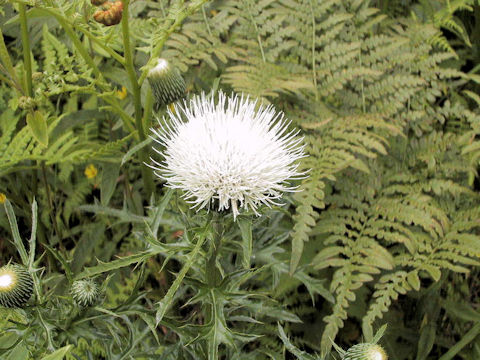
(366, 351)
(110, 13)
(85, 292)
(166, 82)
(16, 286)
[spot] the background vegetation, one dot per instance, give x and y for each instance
(385, 231)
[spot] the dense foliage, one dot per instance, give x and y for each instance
(386, 229)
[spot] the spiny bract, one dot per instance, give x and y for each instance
(85, 292)
(16, 286)
(167, 83)
(366, 351)
(234, 152)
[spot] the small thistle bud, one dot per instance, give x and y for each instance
(97, 2)
(85, 292)
(167, 83)
(16, 286)
(110, 13)
(366, 351)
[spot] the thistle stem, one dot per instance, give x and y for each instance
(147, 114)
(27, 61)
(213, 277)
(130, 68)
(211, 272)
(27, 65)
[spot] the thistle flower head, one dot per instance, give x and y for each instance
(85, 292)
(16, 285)
(366, 351)
(232, 152)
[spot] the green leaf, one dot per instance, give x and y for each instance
(297, 250)
(327, 253)
(245, 225)
(291, 348)
(108, 183)
(164, 304)
(464, 341)
(38, 125)
(5, 59)
(17, 240)
(426, 341)
(20, 352)
(59, 354)
(9, 340)
(414, 280)
(115, 264)
(379, 334)
(461, 311)
(434, 271)
(160, 209)
(135, 149)
(58, 255)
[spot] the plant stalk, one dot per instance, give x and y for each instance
(27, 61)
(212, 274)
(213, 278)
(130, 68)
(50, 205)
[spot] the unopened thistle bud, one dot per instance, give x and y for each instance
(167, 83)
(366, 351)
(16, 286)
(85, 292)
(110, 13)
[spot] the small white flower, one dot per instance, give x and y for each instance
(232, 152)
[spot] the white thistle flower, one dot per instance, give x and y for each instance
(231, 152)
